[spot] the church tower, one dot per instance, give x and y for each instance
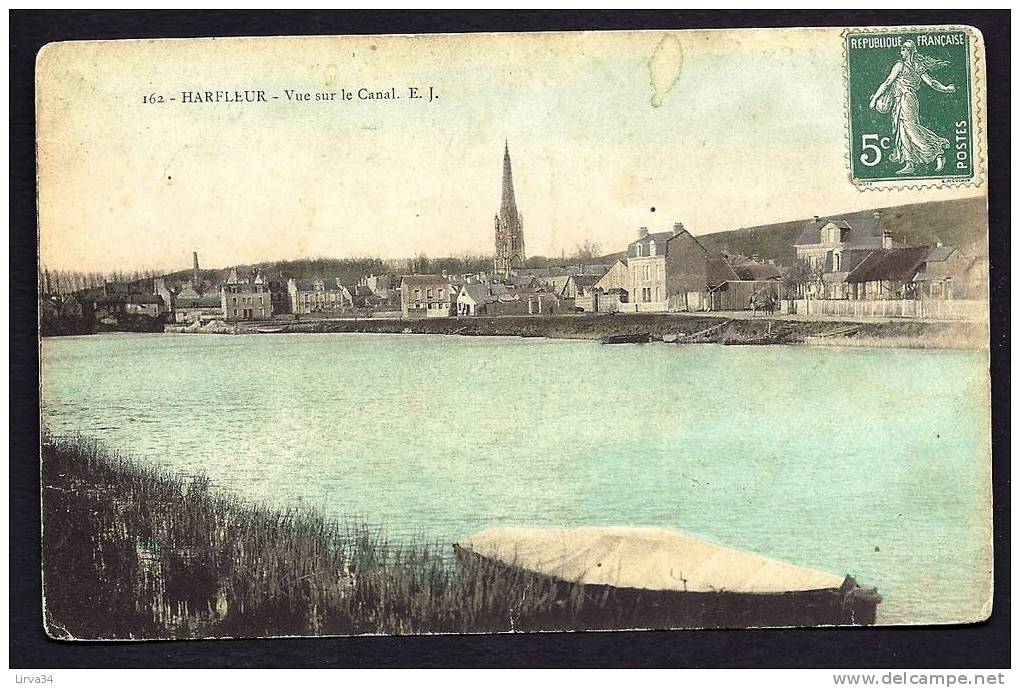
(509, 226)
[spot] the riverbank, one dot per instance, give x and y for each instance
(132, 552)
(713, 329)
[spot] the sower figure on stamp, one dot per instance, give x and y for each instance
(914, 144)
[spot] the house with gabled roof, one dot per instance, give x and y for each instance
(912, 272)
(833, 247)
(577, 285)
(887, 273)
(674, 271)
(947, 273)
(480, 298)
(837, 244)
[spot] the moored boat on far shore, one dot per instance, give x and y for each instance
(641, 338)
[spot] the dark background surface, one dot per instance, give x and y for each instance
(979, 645)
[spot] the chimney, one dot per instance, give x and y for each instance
(817, 218)
(677, 228)
(642, 233)
(887, 238)
(755, 258)
(938, 242)
(194, 270)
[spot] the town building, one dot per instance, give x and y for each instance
(279, 296)
(160, 289)
(832, 247)
(616, 276)
(577, 285)
(509, 226)
(70, 308)
(491, 298)
(596, 269)
(245, 296)
(200, 309)
(381, 285)
(735, 282)
(837, 245)
(946, 273)
(913, 272)
(647, 264)
(673, 271)
(190, 305)
(686, 264)
(426, 296)
(580, 289)
(364, 298)
(541, 302)
(141, 304)
(325, 297)
(646, 259)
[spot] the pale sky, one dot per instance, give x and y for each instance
(751, 132)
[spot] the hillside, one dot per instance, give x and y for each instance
(961, 223)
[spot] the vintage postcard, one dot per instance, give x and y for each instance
(487, 333)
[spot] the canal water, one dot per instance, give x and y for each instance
(873, 462)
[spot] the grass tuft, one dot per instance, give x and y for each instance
(131, 551)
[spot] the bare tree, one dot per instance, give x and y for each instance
(587, 250)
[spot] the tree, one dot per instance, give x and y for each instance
(587, 251)
(799, 275)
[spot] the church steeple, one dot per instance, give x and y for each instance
(509, 227)
(508, 204)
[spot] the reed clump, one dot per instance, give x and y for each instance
(131, 551)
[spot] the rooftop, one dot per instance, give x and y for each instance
(863, 229)
(423, 280)
(893, 264)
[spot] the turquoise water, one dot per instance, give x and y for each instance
(869, 462)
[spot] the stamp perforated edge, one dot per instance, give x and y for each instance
(977, 106)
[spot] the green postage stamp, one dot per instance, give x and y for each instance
(911, 106)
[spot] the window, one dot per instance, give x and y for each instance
(657, 296)
(235, 312)
(428, 293)
(637, 250)
(417, 294)
(651, 248)
(647, 272)
(646, 294)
